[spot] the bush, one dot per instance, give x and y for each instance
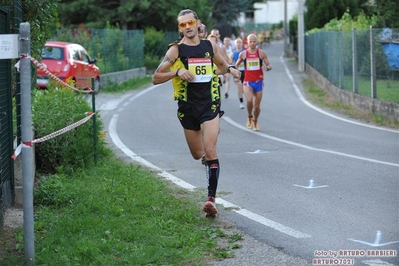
(151, 62)
(114, 49)
(54, 109)
(153, 41)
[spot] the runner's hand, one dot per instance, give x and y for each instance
(236, 73)
(186, 75)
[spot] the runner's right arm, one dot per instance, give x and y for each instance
(162, 73)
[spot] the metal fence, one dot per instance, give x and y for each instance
(361, 61)
(257, 27)
(170, 36)
(115, 50)
(9, 87)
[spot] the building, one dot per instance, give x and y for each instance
(270, 12)
(273, 11)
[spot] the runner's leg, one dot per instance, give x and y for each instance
(195, 143)
(258, 98)
(249, 94)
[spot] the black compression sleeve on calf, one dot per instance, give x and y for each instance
(212, 173)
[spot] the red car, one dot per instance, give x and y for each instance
(69, 60)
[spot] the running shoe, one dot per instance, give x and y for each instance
(210, 207)
(241, 106)
(226, 95)
(255, 125)
(249, 122)
(203, 160)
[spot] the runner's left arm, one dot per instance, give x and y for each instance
(222, 65)
(267, 66)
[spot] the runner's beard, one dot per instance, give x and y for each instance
(191, 35)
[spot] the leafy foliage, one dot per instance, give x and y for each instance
(386, 11)
(226, 11)
(123, 215)
(152, 39)
(42, 17)
(362, 24)
(54, 109)
(114, 49)
(347, 23)
(53, 191)
(293, 25)
(320, 13)
(134, 14)
(137, 14)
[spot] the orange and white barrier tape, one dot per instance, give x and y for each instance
(42, 67)
(51, 135)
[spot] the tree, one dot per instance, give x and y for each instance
(132, 14)
(166, 16)
(387, 12)
(42, 17)
(321, 12)
(227, 12)
(92, 13)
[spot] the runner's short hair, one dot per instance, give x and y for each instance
(187, 11)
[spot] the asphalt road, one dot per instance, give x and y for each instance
(309, 183)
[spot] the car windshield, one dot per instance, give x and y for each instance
(54, 53)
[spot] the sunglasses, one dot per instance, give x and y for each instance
(190, 23)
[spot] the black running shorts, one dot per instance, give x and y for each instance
(192, 116)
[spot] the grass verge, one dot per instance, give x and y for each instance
(117, 213)
(128, 85)
(120, 214)
(321, 98)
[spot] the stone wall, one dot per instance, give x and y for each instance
(376, 106)
(121, 76)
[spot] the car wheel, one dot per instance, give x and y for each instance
(97, 85)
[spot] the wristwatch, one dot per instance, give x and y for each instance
(228, 68)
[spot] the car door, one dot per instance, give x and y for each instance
(77, 66)
(89, 69)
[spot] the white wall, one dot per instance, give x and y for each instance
(273, 11)
(240, 20)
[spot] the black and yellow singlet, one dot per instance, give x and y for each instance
(199, 61)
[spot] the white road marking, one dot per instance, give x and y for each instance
(300, 96)
(233, 123)
(250, 215)
(253, 216)
(177, 181)
(376, 242)
(311, 185)
(117, 141)
(257, 151)
(262, 220)
(269, 223)
(112, 104)
(377, 262)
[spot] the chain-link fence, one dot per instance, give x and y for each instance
(361, 61)
(170, 36)
(115, 50)
(9, 87)
(250, 27)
